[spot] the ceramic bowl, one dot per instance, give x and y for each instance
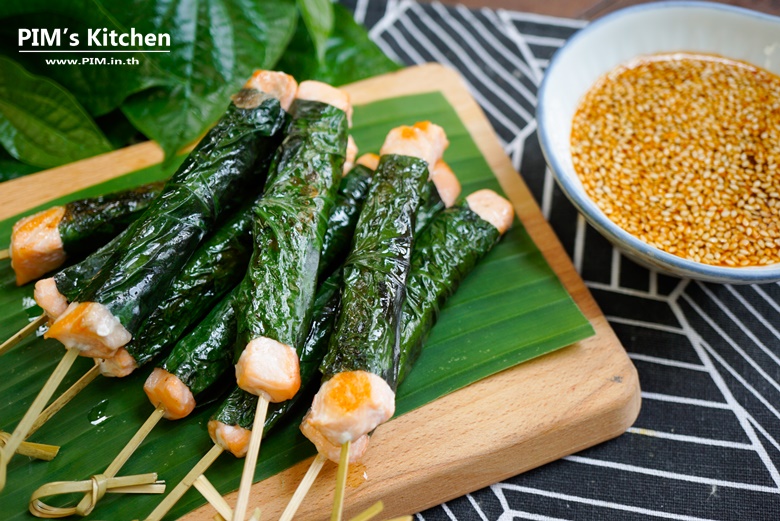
(616, 38)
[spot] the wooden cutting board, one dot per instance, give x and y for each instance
(498, 427)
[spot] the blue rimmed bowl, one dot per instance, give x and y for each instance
(616, 38)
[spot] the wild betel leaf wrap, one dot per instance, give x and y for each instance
(84, 216)
(444, 253)
(277, 292)
(214, 337)
(161, 241)
(215, 268)
(366, 335)
(91, 223)
(240, 406)
(430, 206)
(72, 280)
(343, 219)
(204, 354)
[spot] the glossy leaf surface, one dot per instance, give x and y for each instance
(41, 123)
(215, 47)
(350, 55)
(317, 15)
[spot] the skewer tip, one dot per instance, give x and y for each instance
(22, 334)
(3, 468)
(370, 513)
(39, 451)
(303, 487)
(341, 483)
(5, 254)
(248, 474)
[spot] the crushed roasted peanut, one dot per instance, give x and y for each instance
(682, 151)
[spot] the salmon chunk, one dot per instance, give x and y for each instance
(36, 246)
(164, 388)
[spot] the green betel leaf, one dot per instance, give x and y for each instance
(510, 309)
(41, 123)
(215, 47)
(99, 88)
(11, 168)
(317, 15)
(171, 117)
(350, 54)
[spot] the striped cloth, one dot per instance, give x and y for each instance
(707, 442)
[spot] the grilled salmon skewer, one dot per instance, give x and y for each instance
(42, 242)
(202, 356)
(215, 267)
(53, 294)
(359, 366)
(445, 252)
(277, 294)
(156, 246)
(231, 426)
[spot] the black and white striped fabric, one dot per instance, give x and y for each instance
(707, 442)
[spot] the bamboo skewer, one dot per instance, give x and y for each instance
(32, 450)
(22, 333)
(22, 430)
(370, 513)
(135, 441)
(63, 399)
(145, 483)
(119, 461)
(48, 452)
(38, 450)
(213, 496)
(248, 473)
(195, 477)
(303, 488)
(341, 483)
(5, 254)
(224, 512)
(97, 486)
(178, 491)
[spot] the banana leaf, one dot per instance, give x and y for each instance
(510, 309)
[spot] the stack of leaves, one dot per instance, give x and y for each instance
(54, 111)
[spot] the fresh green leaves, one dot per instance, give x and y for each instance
(350, 55)
(216, 46)
(172, 97)
(99, 88)
(318, 17)
(41, 123)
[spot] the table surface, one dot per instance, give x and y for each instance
(590, 9)
(706, 444)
